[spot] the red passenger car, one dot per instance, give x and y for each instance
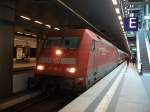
(75, 59)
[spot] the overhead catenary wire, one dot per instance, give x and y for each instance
(79, 16)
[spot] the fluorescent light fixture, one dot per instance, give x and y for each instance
(146, 17)
(121, 22)
(34, 35)
(19, 32)
(131, 14)
(114, 2)
(132, 44)
(125, 7)
(49, 26)
(128, 11)
(27, 34)
(119, 17)
(56, 28)
(122, 26)
(38, 22)
(132, 6)
(26, 18)
(117, 10)
(18, 39)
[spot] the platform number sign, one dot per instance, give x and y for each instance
(131, 24)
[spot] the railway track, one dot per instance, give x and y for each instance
(42, 103)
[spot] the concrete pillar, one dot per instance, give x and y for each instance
(7, 20)
(40, 42)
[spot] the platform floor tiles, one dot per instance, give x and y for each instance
(133, 93)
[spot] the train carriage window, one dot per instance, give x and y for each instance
(64, 42)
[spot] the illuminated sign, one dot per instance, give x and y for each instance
(131, 24)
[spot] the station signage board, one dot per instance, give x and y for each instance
(131, 24)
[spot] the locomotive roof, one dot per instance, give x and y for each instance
(77, 32)
(66, 32)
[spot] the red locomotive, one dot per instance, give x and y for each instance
(76, 59)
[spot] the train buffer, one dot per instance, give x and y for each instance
(122, 90)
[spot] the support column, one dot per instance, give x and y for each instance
(7, 19)
(40, 42)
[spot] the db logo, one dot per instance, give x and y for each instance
(56, 60)
(131, 24)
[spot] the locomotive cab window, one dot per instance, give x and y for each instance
(64, 42)
(54, 42)
(71, 42)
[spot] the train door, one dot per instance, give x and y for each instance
(94, 60)
(92, 65)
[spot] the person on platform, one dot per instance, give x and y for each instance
(134, 60)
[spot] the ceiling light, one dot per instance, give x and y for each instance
(119, 17)
(19, 32)
(18, 39)
(27, 18)
(132, 6)
(132, 14)
(114, 2)
(34, 35)
(128, 11)
(146, 17)
(121, 22)
(49, 26)
(56, 28)
(117, 10)
(27, 34)
(38, 22)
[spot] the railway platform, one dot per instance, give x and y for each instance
(23, 66)
(123, 90)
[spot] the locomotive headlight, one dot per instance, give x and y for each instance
(71, 69)
(58, 52)
(40, 67)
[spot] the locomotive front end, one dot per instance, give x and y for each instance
(58, 61)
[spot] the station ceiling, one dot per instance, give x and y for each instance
(97, 15)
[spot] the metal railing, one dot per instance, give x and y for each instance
(139, 63)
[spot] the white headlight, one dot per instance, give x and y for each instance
(58, 52)
(40, 67)
(71, 70)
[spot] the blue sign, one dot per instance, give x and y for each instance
(131, 24)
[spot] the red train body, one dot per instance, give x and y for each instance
(76, 58)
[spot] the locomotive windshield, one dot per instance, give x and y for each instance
(64, 42)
